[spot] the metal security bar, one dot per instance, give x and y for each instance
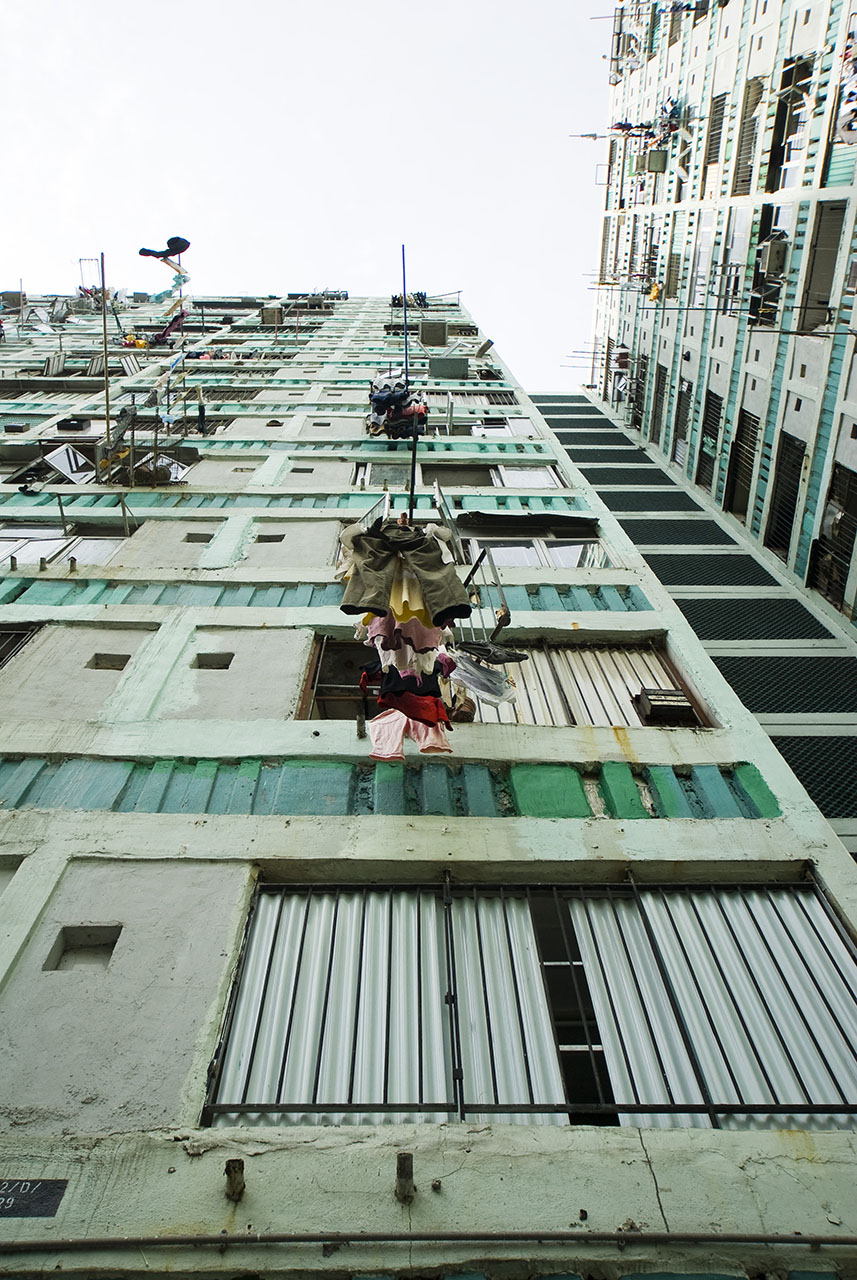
(718, 1006)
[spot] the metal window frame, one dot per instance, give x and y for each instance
(568, 951)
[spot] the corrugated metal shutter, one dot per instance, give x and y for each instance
(736, 996)
(342, 1009)
(778, 533)
(561, 686)
(409, 1004)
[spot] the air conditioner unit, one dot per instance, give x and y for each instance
(665, 706)
(656, 161)
(772, 259)
(449, 368)
(434, 333)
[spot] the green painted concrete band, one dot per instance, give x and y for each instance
(548, 791)
(321, 787)
(620, 791)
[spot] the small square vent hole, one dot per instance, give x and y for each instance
(198, 537)
(270, 537)
(109, 661)
(213, 661)
(83, 946)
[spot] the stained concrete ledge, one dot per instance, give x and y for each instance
(492, 1178)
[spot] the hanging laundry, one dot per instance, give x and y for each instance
(489, 685)
(395, 409)
(418, 696)
(495, 654)
(375, 555)
(160, 339)
(175, 246)
(388, 730)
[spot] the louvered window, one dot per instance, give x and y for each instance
(673, 275)
(746, 150)
(663, 1006)
(784, 495)
(742, 460)
(707, 459)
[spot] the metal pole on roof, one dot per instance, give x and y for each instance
(414, 416)
(106, 373)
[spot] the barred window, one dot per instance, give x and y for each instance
(728, 1007)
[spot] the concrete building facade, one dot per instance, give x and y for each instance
(726, 317)
(579, 998)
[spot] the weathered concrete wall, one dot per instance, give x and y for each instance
(51, 678)
(305, 542)
(488, 1178)
(163, 544)
(97, 1049)
(322, 426)
(262, 681)
(309, 473)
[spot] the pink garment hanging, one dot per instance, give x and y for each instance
(388, 730)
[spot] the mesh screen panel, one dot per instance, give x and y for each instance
(827, 767)
(775, 685)
(650, 500)
(709, 571)
(752, 620)
(677, 533)
(642, 475)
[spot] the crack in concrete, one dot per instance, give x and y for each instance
(654, 1179)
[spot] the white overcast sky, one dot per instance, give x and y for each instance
(298, 144)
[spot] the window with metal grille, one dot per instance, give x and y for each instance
(742, 180)
(675, 25)
(790, 122)
(663, 1006)
(742, 460)
(684, 399)
(583, 684)
(673, 275)
(13, 637)
(658, 403)
(638, 393)
(781, 518)
(830, 561)
(716, 116)
(707, 457)
(823, 255)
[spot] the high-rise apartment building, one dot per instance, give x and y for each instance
(726, 348)
(577, 997)
(728, 256)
